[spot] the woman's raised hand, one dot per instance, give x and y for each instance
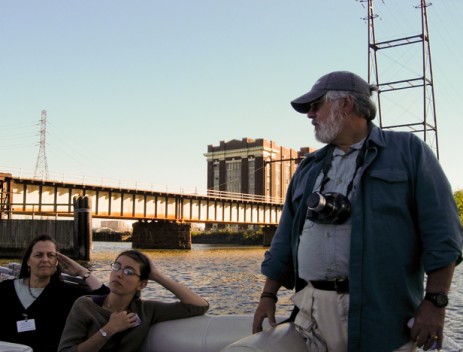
(70, 266)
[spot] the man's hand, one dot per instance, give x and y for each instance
(265, 309)
(429, 319)
(428, 328)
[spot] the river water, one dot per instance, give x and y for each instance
(229, 278)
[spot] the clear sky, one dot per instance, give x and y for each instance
(135, 90)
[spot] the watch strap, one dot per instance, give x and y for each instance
(439, 299)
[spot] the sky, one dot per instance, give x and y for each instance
(135, 90)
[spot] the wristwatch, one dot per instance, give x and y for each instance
(104, 334)
(86, 275)
(439, 299)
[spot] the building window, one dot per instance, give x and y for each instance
(234, 176)
(268, 180)
(287, 175)
(216, 184)
(252, 176)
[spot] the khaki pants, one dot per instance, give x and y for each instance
(322, 320)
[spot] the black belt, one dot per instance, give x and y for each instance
(340, 285)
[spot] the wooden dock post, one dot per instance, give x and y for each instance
(82, 227)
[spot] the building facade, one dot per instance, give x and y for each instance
(252, 166)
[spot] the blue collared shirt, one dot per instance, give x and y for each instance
(405, 223)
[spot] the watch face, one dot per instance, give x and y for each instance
(441, 300)
(438, 299)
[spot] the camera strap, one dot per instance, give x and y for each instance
(328, 162)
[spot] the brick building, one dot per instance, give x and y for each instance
(252, 166)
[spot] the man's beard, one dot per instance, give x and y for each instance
(329, 129)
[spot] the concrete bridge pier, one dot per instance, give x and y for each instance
(161, 234)
(269, 232)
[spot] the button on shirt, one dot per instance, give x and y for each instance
(324, 249)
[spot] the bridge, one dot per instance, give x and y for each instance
(23, 196)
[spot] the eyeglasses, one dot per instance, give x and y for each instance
(127, 271)
(313, 107)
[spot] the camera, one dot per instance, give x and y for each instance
(328, 208)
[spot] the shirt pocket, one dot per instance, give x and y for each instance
(389, 189)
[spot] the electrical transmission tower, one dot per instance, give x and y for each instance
(41, 166)
(410, 68)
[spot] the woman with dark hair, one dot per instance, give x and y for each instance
(120, 320)
(35, 306)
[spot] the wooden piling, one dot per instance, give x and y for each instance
(82, 227)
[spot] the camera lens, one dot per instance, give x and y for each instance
(328, 208)
(316, 201)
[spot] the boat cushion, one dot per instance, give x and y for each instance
(284, 337)
(205, 333)
(13, 347)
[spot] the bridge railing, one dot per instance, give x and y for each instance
(138, 186)
(244, 197)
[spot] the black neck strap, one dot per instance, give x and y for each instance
(329, 159)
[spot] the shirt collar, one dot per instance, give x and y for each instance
(354, 147)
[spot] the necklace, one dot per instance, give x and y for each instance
(29, 287)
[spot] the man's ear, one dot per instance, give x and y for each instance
(347, 105)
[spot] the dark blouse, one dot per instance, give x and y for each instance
(49, 312)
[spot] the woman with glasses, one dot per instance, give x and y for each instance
(35, 306)
(120, 320)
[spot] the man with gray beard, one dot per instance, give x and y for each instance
(365, 219)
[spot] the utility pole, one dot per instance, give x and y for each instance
(407, 73)
(41, 166)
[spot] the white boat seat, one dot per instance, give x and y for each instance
(283, 337)
(205, 333)
(13, 347)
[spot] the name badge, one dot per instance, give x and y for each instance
(25, 325)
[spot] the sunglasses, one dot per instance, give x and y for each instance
(127, 271)
(313, 107)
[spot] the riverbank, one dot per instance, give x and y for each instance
(239, 238)
(244, 238)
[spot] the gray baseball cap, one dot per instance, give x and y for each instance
(338, 80)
